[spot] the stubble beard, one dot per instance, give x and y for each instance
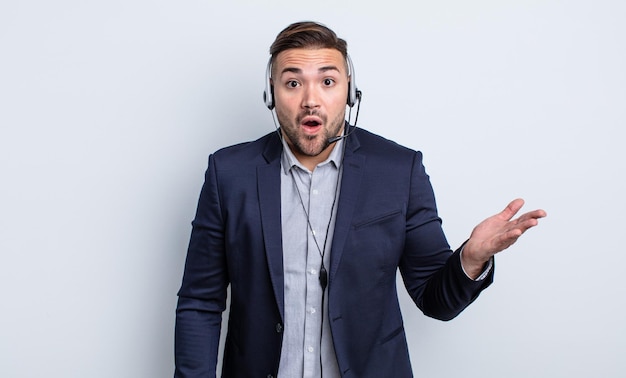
(309, 145)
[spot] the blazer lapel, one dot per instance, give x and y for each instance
(268, 183)
(353, 164)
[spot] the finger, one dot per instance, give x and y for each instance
(536, 214)
(511, 236)
(512, 208)
(507, 239)
(524, 225)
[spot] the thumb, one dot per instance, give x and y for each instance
(511, 209)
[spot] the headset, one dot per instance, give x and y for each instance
(354, 94)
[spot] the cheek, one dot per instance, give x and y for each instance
(338, 111)
(286, 96)
(338, 103)
(288, 107)
(284, 109)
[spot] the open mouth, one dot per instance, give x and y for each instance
(311, 123)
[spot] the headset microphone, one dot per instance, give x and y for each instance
(335, 139)
(358, 96)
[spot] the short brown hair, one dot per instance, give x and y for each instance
(307, 34)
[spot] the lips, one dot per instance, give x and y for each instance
(311, 124)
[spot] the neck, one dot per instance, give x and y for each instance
(310, 162)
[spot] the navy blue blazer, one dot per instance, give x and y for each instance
(386, 219)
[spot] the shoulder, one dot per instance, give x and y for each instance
(251, 152)
(374, 145)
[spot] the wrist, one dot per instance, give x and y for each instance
(472, 266)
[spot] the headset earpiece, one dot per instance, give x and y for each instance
(354, 94)
(268, 94)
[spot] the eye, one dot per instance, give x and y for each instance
(292, 84)
(328, 82)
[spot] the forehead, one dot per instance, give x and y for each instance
(309, 59)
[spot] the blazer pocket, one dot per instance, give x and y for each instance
(392, 335)
(377, 219)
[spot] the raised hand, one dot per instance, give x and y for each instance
(495, 234)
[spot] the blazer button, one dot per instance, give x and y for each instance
(270, 376)
(279, 329)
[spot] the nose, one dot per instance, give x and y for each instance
(310, 98)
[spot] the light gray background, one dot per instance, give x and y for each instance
(109, 109)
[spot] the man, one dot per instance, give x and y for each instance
(308, 226)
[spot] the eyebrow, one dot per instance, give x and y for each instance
(299, 71)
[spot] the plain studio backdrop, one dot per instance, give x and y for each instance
(109, 110)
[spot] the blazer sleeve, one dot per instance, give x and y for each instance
(433, 274)
(202, 296)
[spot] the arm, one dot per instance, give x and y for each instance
(202, 296)
(432, 274)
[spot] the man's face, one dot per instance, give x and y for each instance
(310, 90)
